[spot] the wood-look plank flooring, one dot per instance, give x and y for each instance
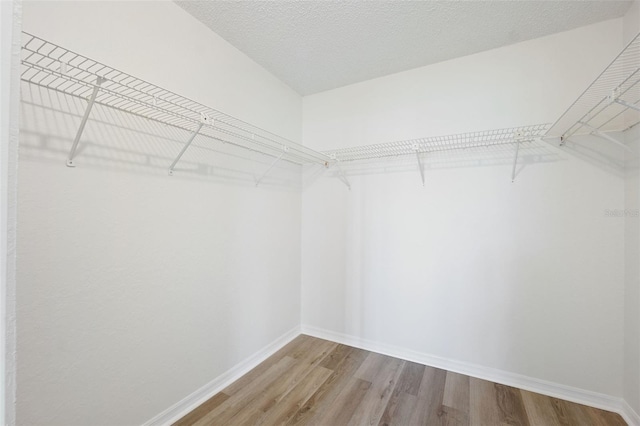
(312, 381)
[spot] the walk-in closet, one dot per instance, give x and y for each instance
(320, 212)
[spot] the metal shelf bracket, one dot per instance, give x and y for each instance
(285, 149)
(85, 117)
(517, 138)
(343, 176)
(603, 135)
(203, 120)
(416, 148)
(626, 104)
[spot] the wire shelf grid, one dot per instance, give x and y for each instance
(441, 143)
(596, 108)
(47, 65)
(51, 66)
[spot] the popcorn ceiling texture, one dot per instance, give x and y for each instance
(315, 46)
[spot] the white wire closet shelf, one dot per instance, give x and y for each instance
(53, 67)
(48, 65)
(417, 147)
(441, 143)
(611, 103)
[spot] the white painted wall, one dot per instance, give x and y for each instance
(632, 275)
(135, 289)
(525, 277)
(10, 25)
(632, 246)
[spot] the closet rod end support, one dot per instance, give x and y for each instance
(70, 163)
(170, 172)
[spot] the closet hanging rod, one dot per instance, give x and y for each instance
(51, 66)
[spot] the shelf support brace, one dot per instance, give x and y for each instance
(85, 117)
(285, 149)
(416, 147)
(627, 104)
(515, 162)
(603, 135)
(203, 120)
(343, 177)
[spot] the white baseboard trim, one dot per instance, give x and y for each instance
(629, 415)
(580, 396)
(188, 404)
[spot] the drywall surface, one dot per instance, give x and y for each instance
(632, 274)
(632, 245)
(10, 23)
(631, 22)
(524, 277)
(135, 288)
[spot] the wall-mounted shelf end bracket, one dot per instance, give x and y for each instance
(204, 119)
(85, 117)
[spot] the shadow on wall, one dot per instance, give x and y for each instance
(115, 140)
(598, 152)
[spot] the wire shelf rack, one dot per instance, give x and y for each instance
(50, 66)
(441, 143)
(610, 103)
(53, 67)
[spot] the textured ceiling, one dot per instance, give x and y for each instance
(318, 45)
